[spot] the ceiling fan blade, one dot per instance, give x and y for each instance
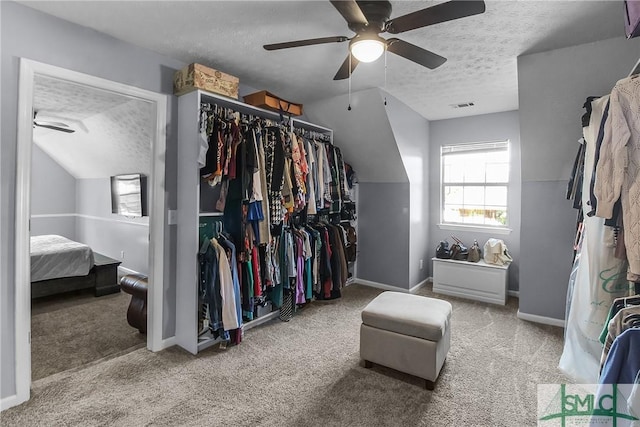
(435, 14)
(343, 72)
(308, 42)
(414, 53)
(350, 11)
(50, 123)
(50, 126)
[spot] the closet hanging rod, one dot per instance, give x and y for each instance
(310, 126)
(240, 107)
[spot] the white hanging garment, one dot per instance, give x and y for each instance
(229, 316)
(311, 180)
(597, 277)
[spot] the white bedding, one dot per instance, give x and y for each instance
(53, 257)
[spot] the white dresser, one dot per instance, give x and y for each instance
(474, 280)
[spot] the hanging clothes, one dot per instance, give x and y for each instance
(618, 170)
(601, 108)
(623, 361)
(623, 320)
(231, 255)
(597, 277)
(617, 305)
(311, 179)
(229, 318)
(261, 191)
(275, 165)
(300, 289)
(208, 273)
(271, 177)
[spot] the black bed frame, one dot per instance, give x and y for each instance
(103, 278)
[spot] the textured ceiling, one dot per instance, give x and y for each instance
(481, 50)
(113, 132)
(66, 100)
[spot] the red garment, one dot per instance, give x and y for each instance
(234, 142)
(255, 265)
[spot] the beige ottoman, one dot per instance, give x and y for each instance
(406, 332)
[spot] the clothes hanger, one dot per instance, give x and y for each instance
(632, 300)
(632, 320)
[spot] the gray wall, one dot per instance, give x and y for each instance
(107, 233)
(53, 195)
(552, 89)
(383, 233)
(368, 143)
(411, 132)
(85, 205)
(34, 35)
(486, 127)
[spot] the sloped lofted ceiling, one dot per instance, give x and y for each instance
(228, 35)
(363, 134)
(112, 132)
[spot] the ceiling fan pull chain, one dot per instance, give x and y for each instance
(349, 107)
(385, 74)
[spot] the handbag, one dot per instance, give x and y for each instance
(474, 252)
(458, 250)
(496, 252)
(632, 18)
(442, 251)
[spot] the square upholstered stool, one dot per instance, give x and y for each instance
(409, 333)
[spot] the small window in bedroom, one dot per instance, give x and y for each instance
(475, 180)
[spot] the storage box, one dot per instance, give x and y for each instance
(197, 76)
(263, 310)
(269, 101)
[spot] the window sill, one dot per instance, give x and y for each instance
(475, 228)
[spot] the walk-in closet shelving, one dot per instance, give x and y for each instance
(190, 212)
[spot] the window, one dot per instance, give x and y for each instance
(475, 180)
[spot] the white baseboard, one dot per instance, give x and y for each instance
(414, 289)
(9, 402)
(513, 293)
(541, 319)
(381, 285)
(123, 271)
(166, 343)
(387, 287)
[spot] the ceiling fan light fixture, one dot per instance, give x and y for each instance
(367, 48)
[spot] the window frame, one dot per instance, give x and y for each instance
(449, 225)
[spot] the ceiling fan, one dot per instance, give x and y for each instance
(369, 18)
(59, 126)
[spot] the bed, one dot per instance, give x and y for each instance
(61, 265)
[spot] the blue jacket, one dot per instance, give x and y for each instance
(623, 362)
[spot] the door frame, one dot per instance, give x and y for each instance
(22, 309)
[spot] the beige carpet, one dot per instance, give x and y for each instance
(75, 329)
(307, 373)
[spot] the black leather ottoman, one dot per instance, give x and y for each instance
(136, 285)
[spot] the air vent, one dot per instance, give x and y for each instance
(463, 105)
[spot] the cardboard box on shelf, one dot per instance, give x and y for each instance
(269, 101)
(197, 76)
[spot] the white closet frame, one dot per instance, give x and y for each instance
(22, 302)
(189, 212)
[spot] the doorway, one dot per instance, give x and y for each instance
(30, 73)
